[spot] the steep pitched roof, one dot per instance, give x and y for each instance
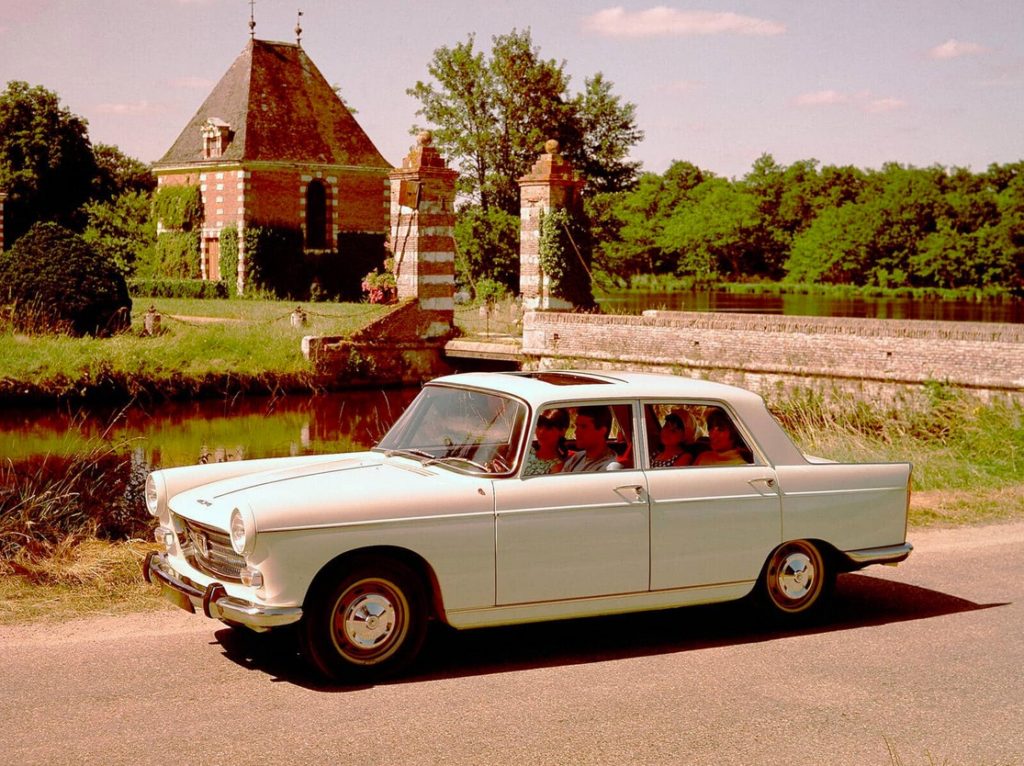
(281, 109)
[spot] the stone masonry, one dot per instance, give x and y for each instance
(423, 233)
(763, 351)
(550, 185)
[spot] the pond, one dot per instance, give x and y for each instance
(961, 310)
(185, 433)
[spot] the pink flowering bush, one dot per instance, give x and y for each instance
(379, 286)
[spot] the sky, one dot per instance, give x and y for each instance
(715, 82)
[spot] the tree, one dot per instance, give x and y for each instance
(46, 161)
(490, 116)
(123, 228)
(57, 279)
(117, 174)
(607, 131)
(486, 247)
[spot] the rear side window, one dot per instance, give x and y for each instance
(681, 435)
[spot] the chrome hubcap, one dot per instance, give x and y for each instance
(369, 621)
(796, 576)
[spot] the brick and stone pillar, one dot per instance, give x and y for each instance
(2, 198)
(551, 184)
(423, 233)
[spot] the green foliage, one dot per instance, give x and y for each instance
(229, 258)
(179, 208)
(491, 115)
(46, 162)
(899, 226)
(275, 262)
(176, 256)
(122, 227)
(178, 288)
(64, 280)
(117, 174)
(487, 247)
(563, 254)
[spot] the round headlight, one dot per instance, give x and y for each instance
(242, 528)
(152, 495)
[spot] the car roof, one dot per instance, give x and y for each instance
(540, 387)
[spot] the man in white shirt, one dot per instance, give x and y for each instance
(594, 454)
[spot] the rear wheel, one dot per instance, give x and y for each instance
(369, 623)
(797, 580)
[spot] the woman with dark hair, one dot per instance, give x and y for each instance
(676, 436)
(725, 445)
(550, 454)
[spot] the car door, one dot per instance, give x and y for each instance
(711, 524)
(572, 535)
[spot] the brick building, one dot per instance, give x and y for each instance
(273, 144)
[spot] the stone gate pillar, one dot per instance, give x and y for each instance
(551, 184)
(2, 198)
(423, 233)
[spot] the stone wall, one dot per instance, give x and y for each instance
(762, 352)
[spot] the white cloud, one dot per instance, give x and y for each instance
(132, 109)
(954, 49)
(192, 83)
(863, 100)
(822, 98)
(879, 105)
(661, 21)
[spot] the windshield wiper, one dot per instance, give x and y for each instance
(409, 451)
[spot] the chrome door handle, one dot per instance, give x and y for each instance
(637, 489)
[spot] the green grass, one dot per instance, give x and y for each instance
(201, 343)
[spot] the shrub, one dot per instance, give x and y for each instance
(176, 256)
(379, 286)
(177, 288)
(564, 257)
(68, 284)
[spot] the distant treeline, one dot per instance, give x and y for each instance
(899, 226)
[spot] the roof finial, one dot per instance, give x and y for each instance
(298, 30)
(252, 19)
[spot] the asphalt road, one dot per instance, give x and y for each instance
(921, 664)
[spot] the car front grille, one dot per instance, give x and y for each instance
(210, 551)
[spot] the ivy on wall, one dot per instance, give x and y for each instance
(179, 207)
(229, 258)
(564, 253)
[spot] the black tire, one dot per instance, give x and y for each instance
(367, 624)
(797, 580)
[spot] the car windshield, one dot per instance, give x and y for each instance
(461, 428)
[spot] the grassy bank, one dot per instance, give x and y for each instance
(203, 347)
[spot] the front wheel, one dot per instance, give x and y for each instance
(796, 579)
(369, 624)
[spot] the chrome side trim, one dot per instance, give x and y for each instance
(890, 554)
(213, 601)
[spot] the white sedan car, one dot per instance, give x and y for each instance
(502, 498)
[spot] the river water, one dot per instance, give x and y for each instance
(177, 433)
(962, 310)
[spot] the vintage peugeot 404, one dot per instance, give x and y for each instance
(501, 498)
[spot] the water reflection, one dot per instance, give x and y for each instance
(185, 433)
(990, 310)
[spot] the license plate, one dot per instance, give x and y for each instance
(177, 598)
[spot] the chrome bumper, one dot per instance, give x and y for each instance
(890, 554)
(213, 600)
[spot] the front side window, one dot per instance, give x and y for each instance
(464, 429)
(683, 434)
(581, 438)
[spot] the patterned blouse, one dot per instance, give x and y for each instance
(534, 466)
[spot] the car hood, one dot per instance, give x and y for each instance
(359, 487)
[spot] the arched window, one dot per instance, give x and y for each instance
(316, 215)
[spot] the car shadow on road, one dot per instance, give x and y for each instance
(859, 601)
